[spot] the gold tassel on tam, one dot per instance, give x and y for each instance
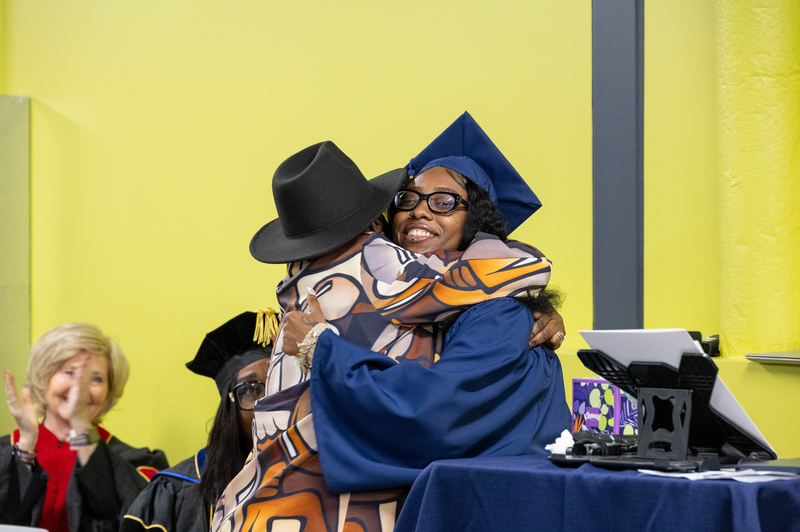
(266, 325)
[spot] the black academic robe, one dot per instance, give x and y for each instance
(98, 493)
(170, 502)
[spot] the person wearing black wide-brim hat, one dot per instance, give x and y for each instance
(182, 497)
(326, 209)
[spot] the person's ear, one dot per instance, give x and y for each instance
(377, 225)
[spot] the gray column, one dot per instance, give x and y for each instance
(618, 138)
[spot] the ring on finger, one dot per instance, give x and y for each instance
(561, 336)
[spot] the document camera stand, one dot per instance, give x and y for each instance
(678, 428)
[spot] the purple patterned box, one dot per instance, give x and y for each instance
(599, 406)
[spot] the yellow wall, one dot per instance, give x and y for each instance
(157, 126)
(681, 245)
(758, 66)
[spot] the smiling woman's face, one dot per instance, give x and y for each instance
(421, 230)
(64, 378)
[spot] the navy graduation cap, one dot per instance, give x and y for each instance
(465, 148)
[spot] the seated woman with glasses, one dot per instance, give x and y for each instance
(183, 497)
(408, 385)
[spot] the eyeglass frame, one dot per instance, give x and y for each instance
(426, 198)
(233, 397)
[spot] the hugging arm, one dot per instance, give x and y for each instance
(378, 423)
(546, 329)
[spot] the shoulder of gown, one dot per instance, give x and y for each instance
(171, 501)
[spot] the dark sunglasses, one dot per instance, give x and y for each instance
(245, 394)
(438, 202)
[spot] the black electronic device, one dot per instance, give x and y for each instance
(688, 420)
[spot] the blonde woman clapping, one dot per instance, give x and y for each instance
(67, 473)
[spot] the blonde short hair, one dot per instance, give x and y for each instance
(58, 345)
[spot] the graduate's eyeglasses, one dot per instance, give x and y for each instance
(245, 394)
(438, 202)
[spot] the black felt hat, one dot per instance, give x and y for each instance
(227, 349)
(323, 202)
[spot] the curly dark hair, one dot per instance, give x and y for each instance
(482, 215)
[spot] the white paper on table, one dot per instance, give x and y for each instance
(744, 475)
(668, 346)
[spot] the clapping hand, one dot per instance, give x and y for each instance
(24, 412)
(78, 397)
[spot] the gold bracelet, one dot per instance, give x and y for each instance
(305, 353)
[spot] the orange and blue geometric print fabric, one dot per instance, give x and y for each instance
(382, 297)
(283, 488)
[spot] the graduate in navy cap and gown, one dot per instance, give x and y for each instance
(181, 498)
(379, 410)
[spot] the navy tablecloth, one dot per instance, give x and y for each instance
(529, 493)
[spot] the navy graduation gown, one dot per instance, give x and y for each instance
(379, 423)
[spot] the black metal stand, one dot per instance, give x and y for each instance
(665, 416)
(676, 421)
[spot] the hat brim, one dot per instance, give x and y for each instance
(271, 246)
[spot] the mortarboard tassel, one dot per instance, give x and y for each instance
(266, 325)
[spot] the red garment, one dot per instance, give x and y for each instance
(58, 460)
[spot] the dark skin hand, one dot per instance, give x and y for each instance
(545, 329)
(296, 324)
